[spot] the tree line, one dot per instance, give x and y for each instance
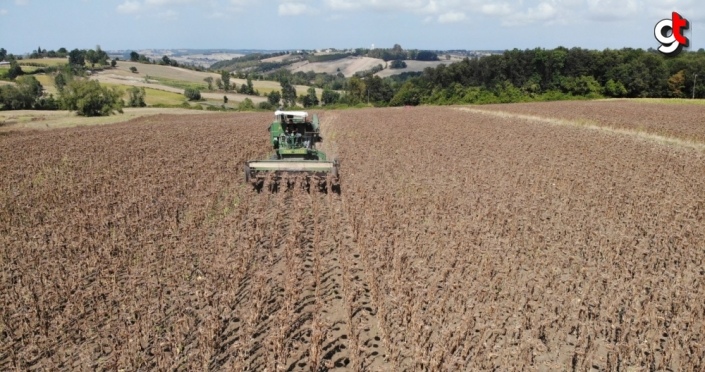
(398, 53)
(520, 75)
(86, 97)
(514, 76)
(540, 74)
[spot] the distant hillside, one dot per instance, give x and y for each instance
(348, 62)
(197, 57)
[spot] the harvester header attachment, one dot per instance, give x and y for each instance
(296, 160)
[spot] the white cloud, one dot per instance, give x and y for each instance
(451, 17)
(505, 12)
(3, 12)
(522, 12)
(542, 13)
(21, 2)
(497, 9)
(292, 9)
(609, 10)
(168, 9)
(343, 5)
(414, 6)
(129, 7)
(690, 9)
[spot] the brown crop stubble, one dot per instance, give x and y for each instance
(117, 245)
(506, 243)
(461, 241)
(682, 122)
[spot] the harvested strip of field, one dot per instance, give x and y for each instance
(347, 66)
(684, 122)
(186, 76)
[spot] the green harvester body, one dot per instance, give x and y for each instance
(294, 138)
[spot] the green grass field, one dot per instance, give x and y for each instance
(181, 84)
(47, 82)
(152, 96)
(160, 97)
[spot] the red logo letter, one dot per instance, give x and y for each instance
(679, 23)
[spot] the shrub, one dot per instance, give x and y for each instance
(246, 104)
(397, 63)
(136, 95)
(265, 106)
(88, 98)
(192, 94)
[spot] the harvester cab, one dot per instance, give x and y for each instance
(294, 136)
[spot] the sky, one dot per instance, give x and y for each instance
(26, 25)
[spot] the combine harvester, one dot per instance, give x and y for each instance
(296, 159)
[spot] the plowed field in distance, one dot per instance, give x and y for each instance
(549, 237)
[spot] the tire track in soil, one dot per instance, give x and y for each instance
(302, 273)
(356, 325)
(364, 324)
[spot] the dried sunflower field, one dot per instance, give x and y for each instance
(563, 236)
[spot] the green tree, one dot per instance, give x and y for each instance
(426, 55)
(312, 98)
(92, 57)
(101, 57)
(225, 99)
(134, 56)
(136, 97)
(23, 95)
(209, 81)
(60, 81)
(246, 105)
(356, 90)
(408, 94)
(250, 88)
(583, 86)
(3, 53)
(133, 69)
(14, 71)
(378, 91)
(266, 105)
(397, 63)
(225, 77)
(614, 89)
(274, 98)
(219, 83)
(329, 97)
(192, 94)
(288, 93)
(10, 98)
(165, 61)
(113, 63)
(88, 98)
(77, 58)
